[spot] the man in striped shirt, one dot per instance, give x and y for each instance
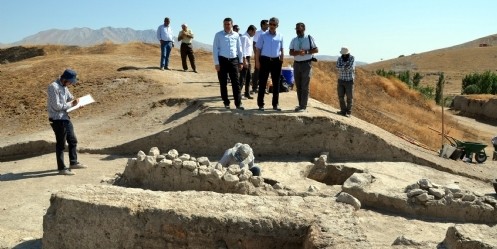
(345, 86)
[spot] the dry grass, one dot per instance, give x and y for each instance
(455, 63)
(389, 104)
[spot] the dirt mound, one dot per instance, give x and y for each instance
(14, 54)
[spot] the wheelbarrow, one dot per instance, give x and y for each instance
(469, 148)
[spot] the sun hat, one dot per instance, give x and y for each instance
(243, 153)
(344, 50)
(70, 75)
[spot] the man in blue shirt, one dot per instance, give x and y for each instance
(59, 100)
(227, 55)
(269, 55)
(165, 36)
(345, 86)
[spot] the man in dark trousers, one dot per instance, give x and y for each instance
(59, 100)
(269, 55)
(227, 55)
(302, 48)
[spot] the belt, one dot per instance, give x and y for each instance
(303, 61)
(230, 59)
(186, 43)
(271, 58)
(167, 41)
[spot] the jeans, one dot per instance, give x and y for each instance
(345, 88)
(302, 75)
(267, 66)
(64, 130)
(229, 66)
(165, 51)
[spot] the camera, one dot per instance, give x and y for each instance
(314, 59)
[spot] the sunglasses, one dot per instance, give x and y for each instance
(273, 24)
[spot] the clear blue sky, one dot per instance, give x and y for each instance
(372, 29)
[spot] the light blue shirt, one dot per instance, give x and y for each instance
(270, 45)
(227, 45)
(58, 102)
(164, 33)
(302, 43)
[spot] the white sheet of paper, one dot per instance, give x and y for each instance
(85, 100)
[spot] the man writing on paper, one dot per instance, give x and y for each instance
(59, 100)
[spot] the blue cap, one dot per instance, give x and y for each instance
(70, 75)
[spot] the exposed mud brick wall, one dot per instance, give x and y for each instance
(108, 217)
(476, 107)
(276, 135)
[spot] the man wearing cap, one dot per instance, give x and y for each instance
(185, 36)
(345, 86)
(59, 100)
(302, 47)
(165, 36)
(242, 155)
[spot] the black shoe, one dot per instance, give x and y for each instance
(299, 109)
(341, 113)
(195, 71)
(276, 108)
(247, 95)
(261, 109)
(348, 114)
(227, 106)
(240, 108)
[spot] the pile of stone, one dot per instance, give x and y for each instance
(174, 172)
(472, 206)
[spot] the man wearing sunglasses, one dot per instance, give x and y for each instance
(302, 48)
(269, 55)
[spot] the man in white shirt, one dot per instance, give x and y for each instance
(165, 36)
(302, 47)
(247, 50)
(255, 78)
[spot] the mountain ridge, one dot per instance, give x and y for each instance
(88, 37)
(85, 36)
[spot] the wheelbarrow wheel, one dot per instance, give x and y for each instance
(481, 157)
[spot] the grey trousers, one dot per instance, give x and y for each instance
(302, 74)
(345, 88)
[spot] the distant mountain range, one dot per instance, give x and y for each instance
(90, 37)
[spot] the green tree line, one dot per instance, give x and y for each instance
(479, 83)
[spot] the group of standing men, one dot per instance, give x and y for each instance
(232, 53)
